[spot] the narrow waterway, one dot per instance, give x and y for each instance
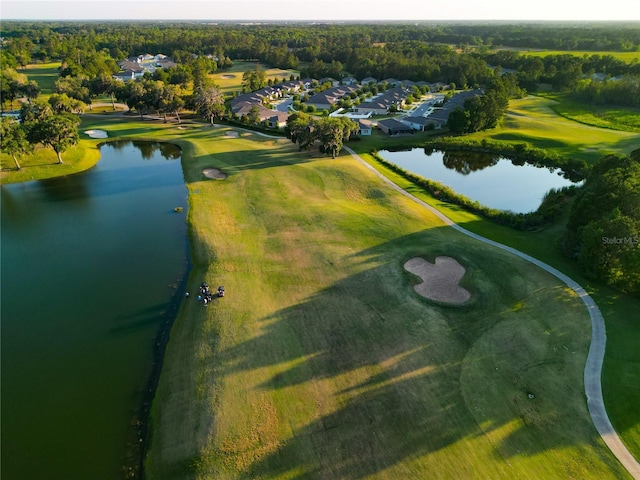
(90, 268)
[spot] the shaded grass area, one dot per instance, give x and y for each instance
(615, 118)
(621, 370)
(321, 361)
(533, 120)
(45, 75)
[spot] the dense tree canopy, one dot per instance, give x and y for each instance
(424, 51)
(603, 231)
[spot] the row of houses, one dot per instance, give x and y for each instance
(438, 117)
(394, 97)
(247, 103)
(390, 82)
(326, 99)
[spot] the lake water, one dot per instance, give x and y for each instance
(90, 270)
(493, 181)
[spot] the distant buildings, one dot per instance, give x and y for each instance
(135, 67)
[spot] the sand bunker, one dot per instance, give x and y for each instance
(439, 279)
(232, 133)
(214, 173)
(96, 133)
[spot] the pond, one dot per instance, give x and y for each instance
(491, 180)
(91, 271)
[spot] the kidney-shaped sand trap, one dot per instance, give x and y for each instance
(96, 133)
(214, 173)
(439, 279)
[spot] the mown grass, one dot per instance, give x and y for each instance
(230, 80)
(534, 121)
(615, 118)
(627, 57)
(321, 361)
(44, 163)
(45, 75)
(622, 358)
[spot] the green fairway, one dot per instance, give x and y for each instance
(533, 120)
(322, 362)
(616, 118)
(624, 56)
(45, 75)
(230, 80)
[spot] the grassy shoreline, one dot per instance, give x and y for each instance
(214, 206)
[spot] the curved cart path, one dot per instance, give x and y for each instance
(593, 367)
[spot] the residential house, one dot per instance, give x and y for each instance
(278, 120)
(420, 123)
(368, 81)
(393, 127)
(365, 127)
(349, 81)
(392, 82)
(332, 81)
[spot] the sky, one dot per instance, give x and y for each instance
(349, 10)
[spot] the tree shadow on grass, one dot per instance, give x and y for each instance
(390, 380)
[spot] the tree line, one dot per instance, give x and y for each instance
(431, 52)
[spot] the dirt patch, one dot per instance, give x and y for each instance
(214, 173)
(439, 280)
(96, 133)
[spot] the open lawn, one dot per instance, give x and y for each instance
(230, 80)
(45, 75)
(624, 56)
(616, 118)
(322, 362)
(621, 370)
(533, 120)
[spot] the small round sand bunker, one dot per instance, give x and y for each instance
(214, 173)
(232, 134)
(96, 133)
(439, 280)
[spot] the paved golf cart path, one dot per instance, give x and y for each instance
(593, 367)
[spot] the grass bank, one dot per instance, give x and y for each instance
(533, 120)
(322, 361)
(626, 119)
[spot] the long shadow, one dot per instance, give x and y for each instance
(407, 378)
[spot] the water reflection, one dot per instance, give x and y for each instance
(147, 150)
(83, 296)
(492, 180)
